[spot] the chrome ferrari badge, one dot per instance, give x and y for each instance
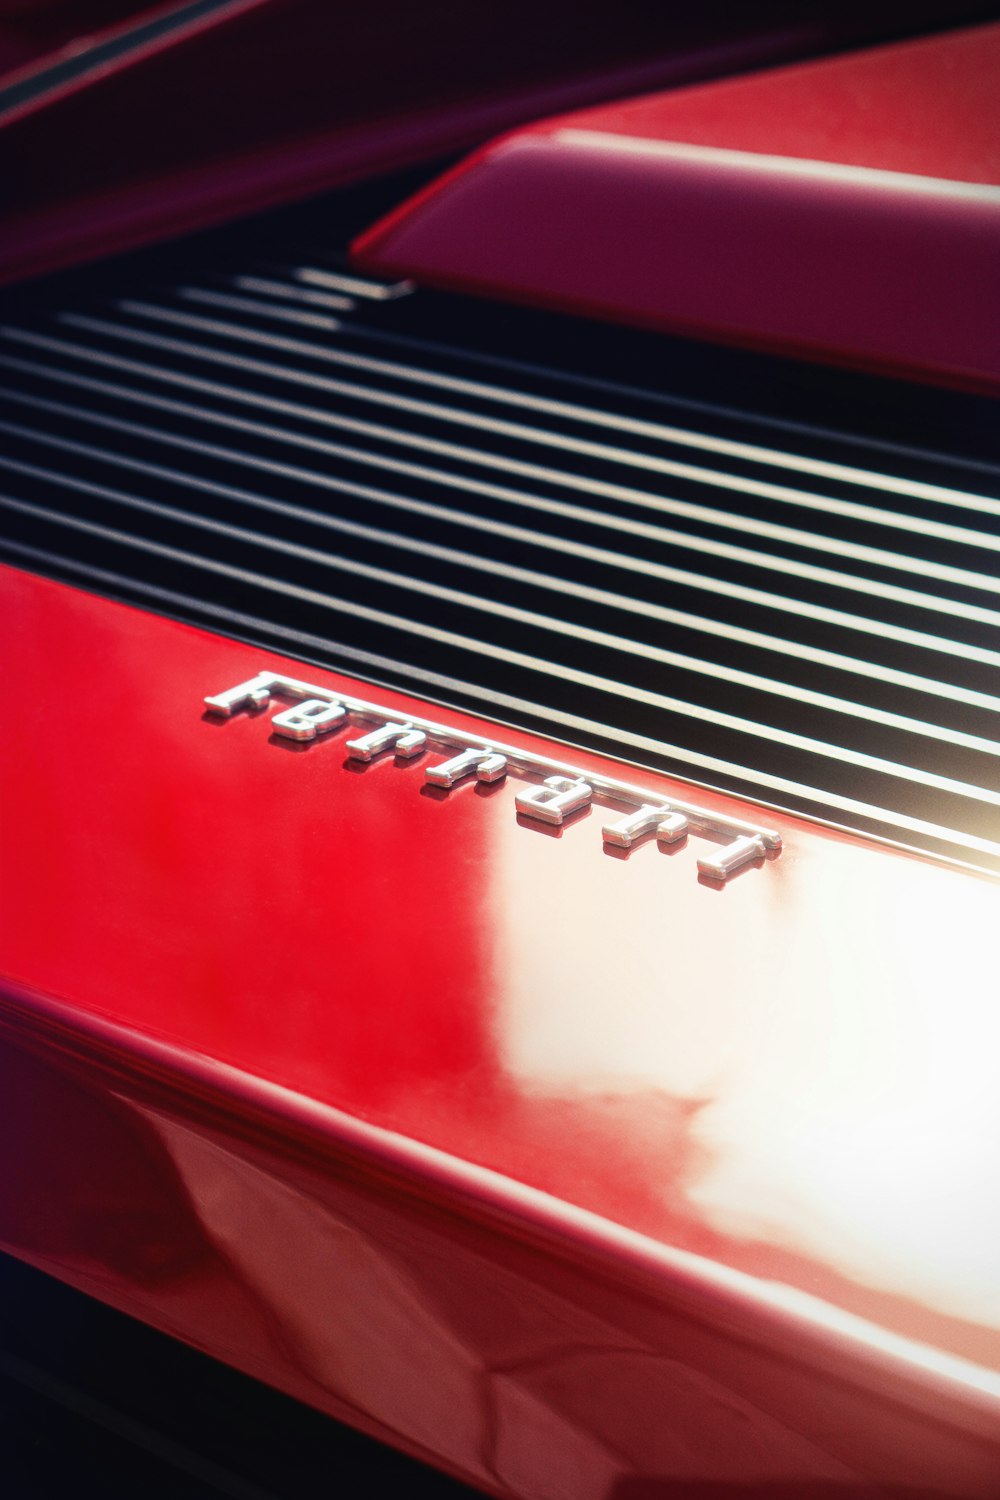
(554, 794)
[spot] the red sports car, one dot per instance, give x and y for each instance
(499, 796)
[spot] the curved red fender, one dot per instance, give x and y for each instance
(846, 209)
(540, 1156)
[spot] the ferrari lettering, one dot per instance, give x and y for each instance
(554, 792)
(554, 799)
(255, 694)
(402, 738)
(668, 825)
(485, 763)
(306, 720)
(730, 859)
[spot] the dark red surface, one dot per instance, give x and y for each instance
(35, 30)
(571, 1172)
(847, 209)
(278, 99)
(928, 107)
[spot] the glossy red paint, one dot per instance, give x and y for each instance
(263, 102)
(847, 209)
(572, 1173)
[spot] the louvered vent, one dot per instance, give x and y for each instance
(379, 481)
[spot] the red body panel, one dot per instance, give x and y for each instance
(847, 209)
(260, 102)
(569, 1171)
(266, 101)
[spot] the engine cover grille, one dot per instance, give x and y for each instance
(509, 512)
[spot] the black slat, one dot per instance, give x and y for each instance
(790, 602)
